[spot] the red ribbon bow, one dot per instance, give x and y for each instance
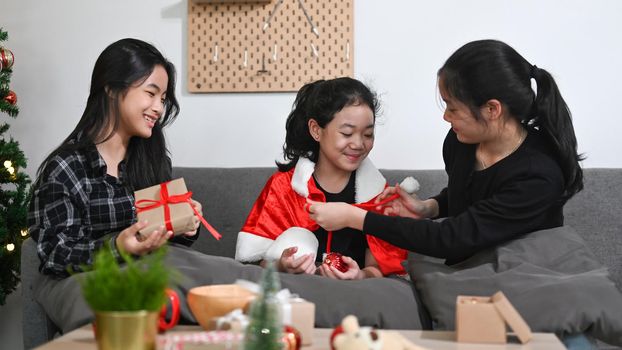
(165, 200)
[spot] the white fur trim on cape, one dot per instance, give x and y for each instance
(369, 181)
(299, 237)
(250, 247)
(302, 173)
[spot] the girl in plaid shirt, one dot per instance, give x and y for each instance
(83, 196)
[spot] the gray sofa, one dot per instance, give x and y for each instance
(227, 195)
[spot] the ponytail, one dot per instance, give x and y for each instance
(298, 140)
(554, 119)
(319, 100)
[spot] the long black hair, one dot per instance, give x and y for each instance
(123, 64)
(320, 100)
(490, 69)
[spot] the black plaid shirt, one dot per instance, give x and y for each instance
(76, 208)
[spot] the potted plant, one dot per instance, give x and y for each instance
(127, 298)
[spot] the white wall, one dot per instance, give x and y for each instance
(399, 45)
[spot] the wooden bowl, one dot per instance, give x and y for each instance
(207, 302)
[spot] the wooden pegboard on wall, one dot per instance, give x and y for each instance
(220, 36)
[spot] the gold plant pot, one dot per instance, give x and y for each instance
(128, 330)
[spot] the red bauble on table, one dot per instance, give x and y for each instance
(291, 338)
(336, 260)
(11, 98)
(6, 58)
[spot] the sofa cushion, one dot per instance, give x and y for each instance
(227, 195)
(596, 213)
(550, 276)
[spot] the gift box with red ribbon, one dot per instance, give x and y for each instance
(168, 204)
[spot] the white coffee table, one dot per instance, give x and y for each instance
(82, 339)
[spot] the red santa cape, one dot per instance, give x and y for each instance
(280, 206)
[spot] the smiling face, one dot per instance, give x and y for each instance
(467, 127)
(347, 140)
(142, 105)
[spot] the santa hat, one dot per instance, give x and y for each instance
(299, 237)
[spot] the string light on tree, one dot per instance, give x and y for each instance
(10, 247)
(24, 233)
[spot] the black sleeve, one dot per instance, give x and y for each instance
(520, 207)
(443, 205)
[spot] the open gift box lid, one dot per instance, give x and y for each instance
(485, 319)
(512, 317)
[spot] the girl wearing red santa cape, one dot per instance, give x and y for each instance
(330, 132)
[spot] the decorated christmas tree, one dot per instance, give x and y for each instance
(264, 331)
(13, 183)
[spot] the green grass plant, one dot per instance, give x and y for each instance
(135, 284)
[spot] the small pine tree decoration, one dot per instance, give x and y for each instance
(264, 331)
(13, 184)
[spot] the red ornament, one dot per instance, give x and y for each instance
(11, 98)
(291, 338)
(336, 260)
(336, 331)
(6, 58)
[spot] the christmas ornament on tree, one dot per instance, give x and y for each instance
(264, 331)
(11, 98)
(336, 260)
(292, 339)
(6, 58)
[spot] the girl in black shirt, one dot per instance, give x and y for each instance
(510, 156)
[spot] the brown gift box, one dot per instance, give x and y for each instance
(483, 320)
(300, 314)
(181, 214)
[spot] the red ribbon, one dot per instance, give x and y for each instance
(165, 200)
(370, 206)
(366, 206)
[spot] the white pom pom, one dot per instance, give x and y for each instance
(410, 185)
(299, 237)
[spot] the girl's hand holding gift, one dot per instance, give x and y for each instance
(197, 221)
(130, 240)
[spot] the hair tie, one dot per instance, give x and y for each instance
(533, 71)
